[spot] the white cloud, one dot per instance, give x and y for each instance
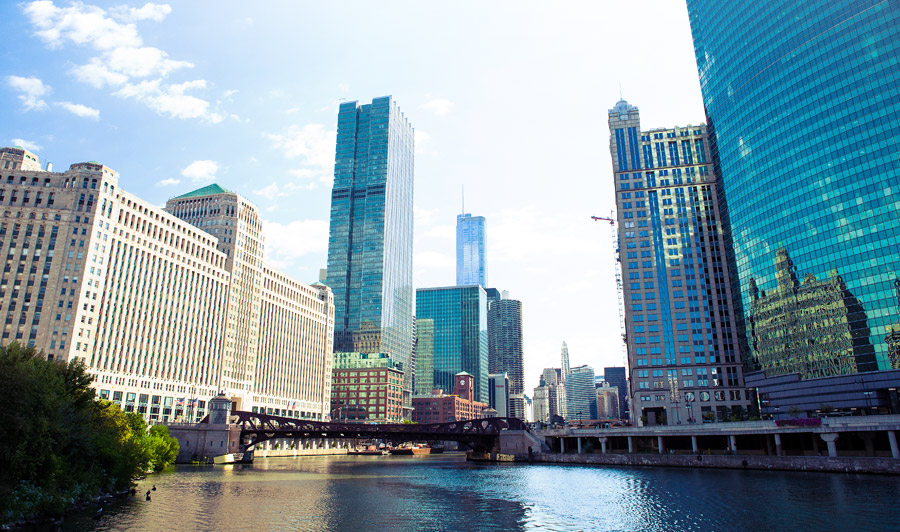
(344, 87)
(148, 11)
(438, 106)
(168, 182)
(32, 91)
(446, 232)
(80, 110)
(423, 141)
(123, 62)
(314, 144)
(286, 243)
(27, 144)
(204, 170)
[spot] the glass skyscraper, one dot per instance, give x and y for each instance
(471, 260)
(505, 350)
(370, 243)
(803, 103)
(460, 338)
(684, 356)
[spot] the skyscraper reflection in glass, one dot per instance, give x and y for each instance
(803, 103)
(370, 243)
(471, 259)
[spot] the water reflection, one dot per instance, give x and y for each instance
(446, 493)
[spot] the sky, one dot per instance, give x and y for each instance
(508, 99)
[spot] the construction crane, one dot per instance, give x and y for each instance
(619, 290)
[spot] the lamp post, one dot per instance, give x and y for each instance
(580, 424)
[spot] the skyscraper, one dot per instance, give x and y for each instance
(459, 314)
(424, 357)
(617, 377)
(581, 394)
(505, 350)
(806, 114)
(682, 333)
(564, 360)
(370, 241)
(471, 260)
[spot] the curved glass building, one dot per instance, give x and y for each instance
(803, 103)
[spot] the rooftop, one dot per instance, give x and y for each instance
(205, 191)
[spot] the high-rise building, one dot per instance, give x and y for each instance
(617, 377)
(147, 296)
(370, 243)
(471, 259)
(424, 382)
(554, 392)
(498, 394)
(564, 360)
(682, 329)
(803, 99)
(505, 350)
(607, 401)
(366, 387)
(581, 398)
(459, 314)
(541, 404)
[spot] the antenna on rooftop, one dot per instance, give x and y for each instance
(620, 91)
(463, 199)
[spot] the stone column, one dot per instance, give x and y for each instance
(694, 446)
(603, 445)
(892, 438)
(660, 444)
(327, 444)
(631, 444)
(778, 449)
(312, 444)
(732, 443)
(869, 439)
(578, 440)
(829, 440)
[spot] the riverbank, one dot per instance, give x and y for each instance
(827, 464)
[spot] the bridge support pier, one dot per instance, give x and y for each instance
(603, 445)
(631, 444)
(869, 440)
(661, 444)
(694, 446)
(830, 440)
(892, 438)
(732, 443)
(578, 441)
(562, 445)
(778, 448)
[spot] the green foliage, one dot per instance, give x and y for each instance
(59, 445)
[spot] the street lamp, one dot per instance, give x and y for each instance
(580, 424)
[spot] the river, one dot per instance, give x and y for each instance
(446, 493)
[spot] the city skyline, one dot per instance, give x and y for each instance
(269, 132)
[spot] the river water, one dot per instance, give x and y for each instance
(446, 493)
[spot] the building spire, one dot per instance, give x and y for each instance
(463, 200)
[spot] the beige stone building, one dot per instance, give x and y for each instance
(167, 307)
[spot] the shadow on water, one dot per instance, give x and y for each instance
(446, 493)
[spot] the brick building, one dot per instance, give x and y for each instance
(440, 408)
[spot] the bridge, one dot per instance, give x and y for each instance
(479, 434)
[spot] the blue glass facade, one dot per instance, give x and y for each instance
(370, 242)
(460, 334)
(803, 103)
(471, 260)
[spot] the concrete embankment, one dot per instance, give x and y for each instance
(840, 464)
(275, 453)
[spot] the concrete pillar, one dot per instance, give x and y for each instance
(694, 446)
(869, 439)
(732, 443)
(603, 445)
(631, 444)
(578, 440)
(328, 444)
(829, 440)
(562, 445)
(778, 449)
(660, 444)
(892, 438)
(313, 444)
(815, 444)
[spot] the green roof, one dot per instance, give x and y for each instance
(205, 191)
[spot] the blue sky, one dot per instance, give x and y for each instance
(508, 99)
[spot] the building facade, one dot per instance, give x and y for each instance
(367, 393)
(581, 398)
(141, 295)
(803, 97)
(682, 325)
(370, 242)
(442, 408)
(424, 381)
(617, 377)
(471, 256)
(498, 394)
(459, 314)
(607, 401)
(505, 353)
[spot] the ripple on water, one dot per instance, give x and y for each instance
(446, 493)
